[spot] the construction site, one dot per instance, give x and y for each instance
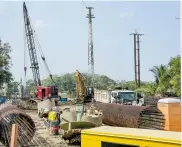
(94, 117)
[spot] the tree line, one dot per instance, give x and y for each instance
(167, 79)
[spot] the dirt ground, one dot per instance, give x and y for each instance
(42, 137)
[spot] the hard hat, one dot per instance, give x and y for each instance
(55, 109)
(46, 110)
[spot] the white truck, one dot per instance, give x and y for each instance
(125, 97)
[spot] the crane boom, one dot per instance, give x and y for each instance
(31, 47)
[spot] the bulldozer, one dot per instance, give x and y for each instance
(79, 117)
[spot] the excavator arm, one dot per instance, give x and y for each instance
(80, 86)
(84, 94)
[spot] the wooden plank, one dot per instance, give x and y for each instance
(14, 136)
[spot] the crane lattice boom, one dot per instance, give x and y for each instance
(31, 47)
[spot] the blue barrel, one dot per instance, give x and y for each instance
(64, 100)
(2, 100)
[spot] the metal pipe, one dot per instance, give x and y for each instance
(130, 116)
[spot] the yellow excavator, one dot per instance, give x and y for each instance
(84, 94)
(83, 117)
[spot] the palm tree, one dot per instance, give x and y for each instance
(161, 78)
(159, 72)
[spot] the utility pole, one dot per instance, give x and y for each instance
(90, 45)
(137, 57)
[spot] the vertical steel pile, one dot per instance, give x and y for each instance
(11, 114)
(130, 116)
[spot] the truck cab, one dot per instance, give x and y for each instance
(127, 97)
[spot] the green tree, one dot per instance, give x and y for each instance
(30, 87)
(5, 64)
(148, 88)
(175, 74)
(127, 84)
(167, 78)
(161, 78)
(12, 89)
(104, 82)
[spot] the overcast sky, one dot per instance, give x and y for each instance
(62, 30)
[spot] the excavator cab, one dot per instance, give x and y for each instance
(89, 94)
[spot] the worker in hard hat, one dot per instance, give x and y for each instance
(54, 121)
(45, 113)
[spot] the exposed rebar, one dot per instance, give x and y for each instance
(11, 114)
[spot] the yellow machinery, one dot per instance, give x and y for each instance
(78, 120)
(84, 94)
(80, 86)
(107, 136)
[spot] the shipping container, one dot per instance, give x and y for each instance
(107, 136)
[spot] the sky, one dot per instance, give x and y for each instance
(62, 31)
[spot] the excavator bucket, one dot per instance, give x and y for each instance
(72, 128)
(77, 125)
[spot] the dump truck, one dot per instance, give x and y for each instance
(125, 97)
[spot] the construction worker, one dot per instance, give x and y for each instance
(54, 121)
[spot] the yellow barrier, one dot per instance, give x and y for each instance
(107, 136)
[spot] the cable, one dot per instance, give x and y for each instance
(84, 3)
(41, 52)
(25, 63)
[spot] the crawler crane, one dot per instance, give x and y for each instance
(42, 92)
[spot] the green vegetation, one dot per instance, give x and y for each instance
(7, 84)
(167, 79)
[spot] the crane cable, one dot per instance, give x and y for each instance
(25, 58)
(41, 52)
(84, 3)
